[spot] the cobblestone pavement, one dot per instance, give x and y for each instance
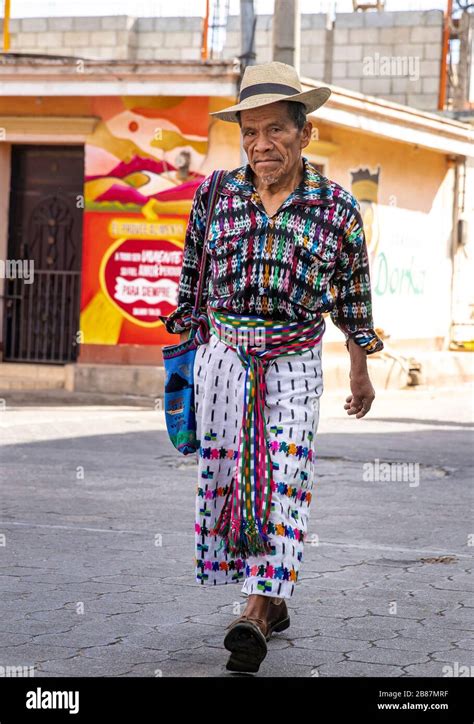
(96, 527)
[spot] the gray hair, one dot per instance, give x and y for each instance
(296, 111)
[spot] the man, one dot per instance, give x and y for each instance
(285, 245)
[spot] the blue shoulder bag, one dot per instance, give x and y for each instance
(178, 359)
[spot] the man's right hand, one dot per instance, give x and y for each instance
(184, 335)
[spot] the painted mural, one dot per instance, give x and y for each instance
(141, 176)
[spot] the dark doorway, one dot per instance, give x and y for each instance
(45, 228)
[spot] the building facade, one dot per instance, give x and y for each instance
(99, 161)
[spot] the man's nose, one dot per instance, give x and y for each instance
(262, 143)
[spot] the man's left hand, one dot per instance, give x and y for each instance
(363, 394)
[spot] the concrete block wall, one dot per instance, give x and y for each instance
(81, 37)
(394, 55)
(168, 38)
(406, 44)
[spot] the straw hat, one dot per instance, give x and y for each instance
(271, 82)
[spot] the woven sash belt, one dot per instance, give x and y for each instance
(243, 522)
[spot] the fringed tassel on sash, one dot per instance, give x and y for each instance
(244, 519)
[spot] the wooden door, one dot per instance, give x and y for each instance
(45, 233)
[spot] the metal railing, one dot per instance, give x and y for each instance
(41, 319)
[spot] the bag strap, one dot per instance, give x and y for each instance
(216, 179)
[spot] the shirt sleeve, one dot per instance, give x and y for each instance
(180, 319)
(352, 313)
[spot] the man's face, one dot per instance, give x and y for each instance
(271, 141)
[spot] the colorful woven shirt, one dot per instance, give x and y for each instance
(308, 258)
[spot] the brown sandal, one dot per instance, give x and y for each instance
(279, 619)
(248, 635)
(247, 641)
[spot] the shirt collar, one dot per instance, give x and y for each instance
(314, 189)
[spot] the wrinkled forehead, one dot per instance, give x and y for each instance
(270, 113)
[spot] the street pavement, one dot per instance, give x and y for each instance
(97, 546)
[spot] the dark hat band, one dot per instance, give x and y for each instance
(259, 88)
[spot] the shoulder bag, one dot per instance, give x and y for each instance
(178, 359)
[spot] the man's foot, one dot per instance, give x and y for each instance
(247, 644)
(248, 635)
(278, 618)
(270, 611)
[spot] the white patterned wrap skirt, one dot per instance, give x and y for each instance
(294, 387)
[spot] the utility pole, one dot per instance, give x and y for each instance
(6, 27)
(287, 32)
(464, 27)
(248, 22)
(247, 33)
(205, 32)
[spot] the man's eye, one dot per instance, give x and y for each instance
(275, 128)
